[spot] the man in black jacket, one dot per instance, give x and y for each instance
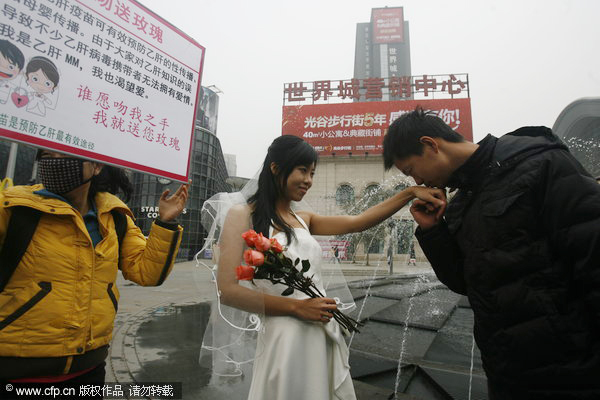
(521, 239)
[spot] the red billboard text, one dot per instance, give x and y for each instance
(358, 128)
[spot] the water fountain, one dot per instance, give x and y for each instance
(416, 339)
(404, 335)
(409, 311)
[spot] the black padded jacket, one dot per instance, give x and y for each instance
(521, 238)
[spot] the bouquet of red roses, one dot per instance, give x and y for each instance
(265, 260)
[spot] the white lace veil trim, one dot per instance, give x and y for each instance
(229, 343)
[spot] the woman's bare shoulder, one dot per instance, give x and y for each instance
(238, 218)
(240, 211)
(305, 215)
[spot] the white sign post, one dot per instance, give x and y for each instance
(107, 80)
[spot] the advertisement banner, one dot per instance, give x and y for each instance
(358, 128)
(106, 80)
(388, 25)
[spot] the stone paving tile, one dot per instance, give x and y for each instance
(365, 391)
(464, 302)
(386, 340)
(365, 364)
(358, 293)
(371, 305)
(143, 350)
(457, 384)
(453, 344)
(404, 290)
(428, 310)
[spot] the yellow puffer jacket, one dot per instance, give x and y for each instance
(62, 299)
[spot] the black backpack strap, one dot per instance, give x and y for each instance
(20, 230)
(121, 227)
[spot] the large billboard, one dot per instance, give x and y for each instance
(106, 80)
(387, 25)
(383, 45)
(376, 88)
(358, 128)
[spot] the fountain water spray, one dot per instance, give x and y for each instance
(405, 335)
(471, 371)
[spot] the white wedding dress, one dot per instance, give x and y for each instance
(297, 359)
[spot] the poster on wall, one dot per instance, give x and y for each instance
(107, 80)
(358, 128)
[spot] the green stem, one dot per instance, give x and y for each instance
(307, 286)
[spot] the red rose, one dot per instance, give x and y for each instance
(276, 246)
(262, 243)
(250, 237)
(244, 273)
(253, 257)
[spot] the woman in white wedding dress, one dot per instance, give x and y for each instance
(301, 352)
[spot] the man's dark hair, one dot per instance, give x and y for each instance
(403, 135)
(12, 53)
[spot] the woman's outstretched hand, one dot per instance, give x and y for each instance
(317, 309)
(428, 207)
(170, 207)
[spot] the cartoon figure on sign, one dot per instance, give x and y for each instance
(11, 64)
(42, 79)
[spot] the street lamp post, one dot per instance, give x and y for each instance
(12, 161)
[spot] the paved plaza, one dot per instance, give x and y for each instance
(158, 330)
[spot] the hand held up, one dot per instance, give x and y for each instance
(425, 214)
(428, 207)
(170, 207)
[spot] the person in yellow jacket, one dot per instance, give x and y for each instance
(57, 309)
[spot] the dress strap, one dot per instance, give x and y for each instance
(300, 220)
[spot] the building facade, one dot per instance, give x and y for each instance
(578, 125)
(349, 184)
(383, 45)
(346, 120)
(231, 164)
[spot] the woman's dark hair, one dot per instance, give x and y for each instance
(47, 67)
(402, 139)
(110, 179)
(287, 152)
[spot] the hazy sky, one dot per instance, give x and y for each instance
(526, 60)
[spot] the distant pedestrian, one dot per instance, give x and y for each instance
(412, 257)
